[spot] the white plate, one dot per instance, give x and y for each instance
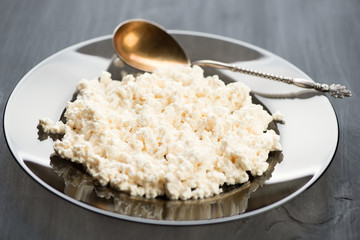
(309, 136)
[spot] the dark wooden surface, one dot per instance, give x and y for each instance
(320, 37)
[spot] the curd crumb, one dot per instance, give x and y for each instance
(278, 116)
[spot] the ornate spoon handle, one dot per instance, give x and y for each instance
(335, 90)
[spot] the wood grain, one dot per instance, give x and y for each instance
(320, 37)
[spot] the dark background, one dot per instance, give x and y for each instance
(320, 37)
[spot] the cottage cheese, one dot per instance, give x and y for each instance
(173, 132)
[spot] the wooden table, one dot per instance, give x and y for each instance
(320, 37)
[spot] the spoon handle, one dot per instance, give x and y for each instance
(335, 90)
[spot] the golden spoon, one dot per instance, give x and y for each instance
(145, 45)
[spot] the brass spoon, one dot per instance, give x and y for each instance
(145, 45)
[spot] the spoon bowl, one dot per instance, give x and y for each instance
(145, 46)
